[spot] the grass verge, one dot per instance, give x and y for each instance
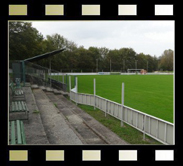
(127, 133)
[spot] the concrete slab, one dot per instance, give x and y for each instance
(56, 127)
(34, 86)
(48, 89)
(34, 130)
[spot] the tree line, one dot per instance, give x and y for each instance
(26, 41)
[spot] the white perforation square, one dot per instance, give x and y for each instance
(164, 155)
(163, 9)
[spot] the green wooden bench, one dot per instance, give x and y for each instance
(17, 93)
(19, 106)
(16, 132)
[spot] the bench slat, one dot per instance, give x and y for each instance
(12, 106)
(16, 106)
(13, 141)
(16, 91)
(19, 106)
(19, 138)
(23, 133)
(17, 132)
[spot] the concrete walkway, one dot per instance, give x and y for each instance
(85, 125)
(86, 134)
(53, 119)
(57, 130)
(34, 130)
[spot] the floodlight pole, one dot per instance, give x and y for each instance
(110, 65)
(136, 64)
(96, 65)
(123, 65)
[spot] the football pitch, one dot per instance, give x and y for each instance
(151, 94)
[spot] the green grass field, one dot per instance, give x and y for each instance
(152, 94)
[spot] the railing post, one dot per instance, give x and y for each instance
(76, 90)
(165, 135)
(144, 127)
(70, 86)
(63, 78)
(122, 104)
(69, 83)
(23, 72)
(105, 108)
(66, 81)
(94, 86)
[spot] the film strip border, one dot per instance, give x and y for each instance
(89, 155)
(90, 10)
(99, 154)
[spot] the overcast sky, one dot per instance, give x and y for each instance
(148, 37)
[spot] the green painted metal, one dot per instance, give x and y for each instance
(23, 72)
(19, 137)
(43, 56)
(17, 132)
(13, 142)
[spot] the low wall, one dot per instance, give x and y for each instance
(108, 73)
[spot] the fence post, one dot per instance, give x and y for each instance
(165, 133)
(74, 81)
(94, 86)
(122, 104)
(69, 83)
(66, 82)
(144, 127)
(76, 99)
(105, 108)
(63, 78)
(70, 86)
(50, 73)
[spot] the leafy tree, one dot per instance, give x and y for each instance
(166, 60)
(24, 41)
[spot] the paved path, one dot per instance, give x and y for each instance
(53, 119)
(86, 126)
(56, 127)
(34, 129)
(87, 135)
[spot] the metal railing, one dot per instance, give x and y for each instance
(44, 76)
(161, 130)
